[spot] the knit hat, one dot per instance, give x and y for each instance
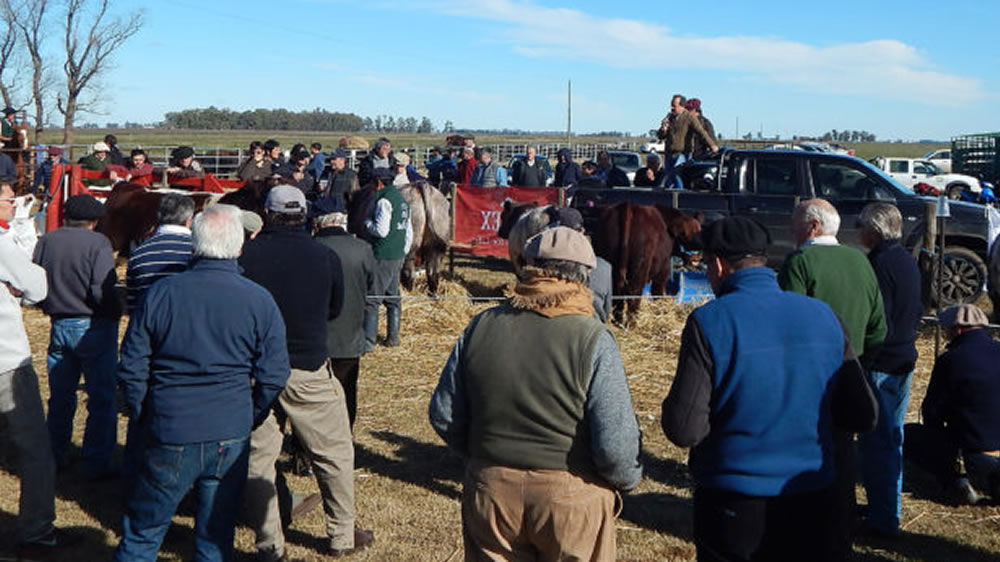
(560, 243)
(286, 199)
(733, 238)
(83, 207)
(100, 146)
(963, 315)
(251, 221)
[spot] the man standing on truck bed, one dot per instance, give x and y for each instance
(674, 130)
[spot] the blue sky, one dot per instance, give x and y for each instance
(914, 69)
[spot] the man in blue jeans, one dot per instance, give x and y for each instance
(84, 309)
(891, 367)
(202, 360)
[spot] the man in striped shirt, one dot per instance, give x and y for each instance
(166, 253)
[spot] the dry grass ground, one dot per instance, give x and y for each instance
(408, 483)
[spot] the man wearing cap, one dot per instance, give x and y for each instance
(891, 367)
(341, 180)
(43, 175)
(183, 165)
(402, 177)
(96, 161)
(202, 362)
(694, 145)
(488, 173)
(962, 403)
(22, 282)
(305, 278)
(84, 309)
(164, 254)
(534, 397)
(391, 234)
(346, 336)
(7, 131)
(674, 130)
(842, 277)
(653, 174)
(763, 376)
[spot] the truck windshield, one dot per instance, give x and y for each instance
(895, 183)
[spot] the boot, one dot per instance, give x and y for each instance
(371, 329)
(392, 327)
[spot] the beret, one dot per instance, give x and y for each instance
(733, 238)
(963, 315)
(83, 207)
(182, 152)
(560, 243)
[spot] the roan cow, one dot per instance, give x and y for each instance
(431, 220)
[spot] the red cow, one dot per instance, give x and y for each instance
(130, 214)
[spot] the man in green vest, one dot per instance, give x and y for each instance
(392, 234)
(534, 397)
(7, 131)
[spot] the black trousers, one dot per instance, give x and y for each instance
(734, 527)
(346, 371)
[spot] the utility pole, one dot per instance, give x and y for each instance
(569, 109)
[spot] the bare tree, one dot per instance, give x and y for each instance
(8, 42)
(88, 54)
(30, 22)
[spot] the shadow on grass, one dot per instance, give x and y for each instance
(916, 546)
(665, 471)
(432, 467)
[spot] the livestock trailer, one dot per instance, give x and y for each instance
(977, 155)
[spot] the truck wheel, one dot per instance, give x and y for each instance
(955, 191)
(964, 277)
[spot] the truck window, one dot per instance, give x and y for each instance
(921, 168)
(899, 166)
(838, 182)
(777, 176)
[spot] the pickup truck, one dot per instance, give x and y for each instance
(911, 171)
(940, 158)
(768, 184)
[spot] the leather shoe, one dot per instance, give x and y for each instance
(363, 538)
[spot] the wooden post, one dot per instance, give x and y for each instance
(451, 247)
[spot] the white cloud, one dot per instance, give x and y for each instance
(884, 68)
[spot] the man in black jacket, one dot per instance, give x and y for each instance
(306, 280)
(346, 338)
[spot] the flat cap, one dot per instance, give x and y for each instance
(733, 238)
(83, 207)
(286, 199)
(963, 315)
(560, 243)
(100, 146)
(402, 159)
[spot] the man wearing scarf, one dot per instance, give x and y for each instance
(534, 396)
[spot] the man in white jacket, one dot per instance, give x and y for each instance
(20, 402)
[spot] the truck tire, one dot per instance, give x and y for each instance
(955, 190)
(964, 277)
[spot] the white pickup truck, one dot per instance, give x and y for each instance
(911, 171)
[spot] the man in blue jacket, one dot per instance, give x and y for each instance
(762, 378)
(202, 360)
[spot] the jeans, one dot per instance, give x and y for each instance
(217, 470)
(88, 346)
(881, 451)
(672, 180)
(21, 408)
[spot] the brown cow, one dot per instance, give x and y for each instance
(130, 214)
(430, 217)
(638, 241)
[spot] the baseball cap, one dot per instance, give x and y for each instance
(286, 199)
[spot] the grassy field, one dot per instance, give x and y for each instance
(408, 483)
(129, 138)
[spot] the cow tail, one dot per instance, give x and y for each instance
(623, 252)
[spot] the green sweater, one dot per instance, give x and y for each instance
(843, 278)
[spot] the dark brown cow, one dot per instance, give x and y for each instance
(638, 242)
(430, 217)
(130, 214)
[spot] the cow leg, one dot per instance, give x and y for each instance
(407, 274)
(432, 265)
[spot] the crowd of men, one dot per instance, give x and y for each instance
(787, 383)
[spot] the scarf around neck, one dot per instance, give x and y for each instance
(552, 297)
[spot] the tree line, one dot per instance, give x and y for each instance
(281, 119)
(53, 56)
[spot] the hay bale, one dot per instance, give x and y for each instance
(353, 143)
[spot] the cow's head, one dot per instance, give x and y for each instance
(686, 232)
(511, 212)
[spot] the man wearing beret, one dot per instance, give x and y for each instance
(763, 376)
(963, 402)
(534, 397)
(391, 234)
(84, 309)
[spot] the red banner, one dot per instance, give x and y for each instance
(477, 215)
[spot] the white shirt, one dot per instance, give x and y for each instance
(17, 270)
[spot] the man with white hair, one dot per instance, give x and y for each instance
(202, 361)
(841, 277)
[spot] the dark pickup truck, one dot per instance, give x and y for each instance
(768, 184)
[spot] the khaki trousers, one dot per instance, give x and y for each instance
(518, 515)
(314, 403)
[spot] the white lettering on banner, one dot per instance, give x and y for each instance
(491, 220)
